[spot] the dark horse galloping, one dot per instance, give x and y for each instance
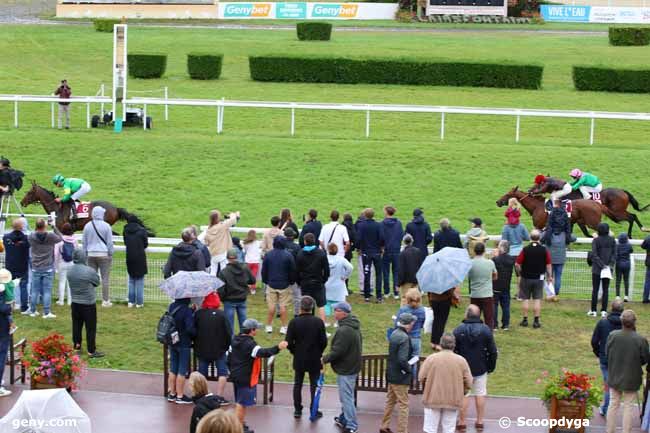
(38, 194)
(616, 201)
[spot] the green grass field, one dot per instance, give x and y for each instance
(174, 174)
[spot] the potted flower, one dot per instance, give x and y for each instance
(51, 363)
(571, 396)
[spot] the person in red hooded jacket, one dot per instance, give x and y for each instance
(213, 337)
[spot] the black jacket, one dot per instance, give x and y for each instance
(312, 269)
(184, 320)
(345, 351)
(398, 371)
(184, 257)
(213, 334)
(136, 241)
(313, 226)
(370, 236)
(202, 407)
(292, 247)
(646, 246)
(207, 258)
(408, 265)
(307, 340)
(599, 338)
(352, 234)
(475, 343)
(16, 253)
(558, 222)
(446, 238)
(623, 251)
(603, 253)
(421, 232)
(237, 278)
(244, 352)
(504, 264)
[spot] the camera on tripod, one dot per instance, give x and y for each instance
(10, 179)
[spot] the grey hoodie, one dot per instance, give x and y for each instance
(93, 246)
(42, 245)
(82, 279)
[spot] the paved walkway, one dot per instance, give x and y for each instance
(126, 402)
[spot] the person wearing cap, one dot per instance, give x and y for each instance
(421, 232)
(370, 236)
(313, 270)
(447, 236)
(278, 273)
(237, 278)
(290, 245)
(475, 235)
(345, 357)
(307, 340)
(399, 374)
(410, 259)
(212, 339)
(245, 362)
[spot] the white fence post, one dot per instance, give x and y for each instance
(517, 133)
(87, 115)
(166, 106)
(144, 118)
(632, 272)
(223, 108)
(442, 126)
(591, 131)
(218, 116)
(16, 114)
(52, 114)
(368, 122)
(101, 107)
(293, 120)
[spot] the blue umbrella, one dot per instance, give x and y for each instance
(313, 414)
(185, 284)
(444, 270)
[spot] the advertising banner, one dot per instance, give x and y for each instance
(595, 14)
(304, 10)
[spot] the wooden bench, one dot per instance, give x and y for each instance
(372, 377)
(15, 359)
(266, 375)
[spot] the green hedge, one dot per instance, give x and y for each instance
(204, 66)
(147, 65)
(105, 25)
(629, 36)
(611, 80)
(314, 31)
(394, 71)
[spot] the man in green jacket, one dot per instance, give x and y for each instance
(587, 183)
(345, 357)
(398, 374)
(627, 353)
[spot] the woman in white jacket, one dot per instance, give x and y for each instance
(340, 270)
(62, 265)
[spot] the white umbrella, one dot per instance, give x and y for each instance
(444, 270)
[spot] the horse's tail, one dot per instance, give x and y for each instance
(635, 203)
(123, 214)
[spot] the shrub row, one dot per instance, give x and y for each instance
(105, 25)
(602, 79)
(399, 71)
(629, 36)
(199, 66)
(314, 31)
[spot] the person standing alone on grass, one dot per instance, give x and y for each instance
(599, 344)
(623, 265)
(64, 92)
(504, 263)
(237, 278)
(313, 270)
(447, 378)
(393, 234)
(278, 273)
(245, 361)
(345, 357)
(306, 340)
(532, 263)
(603, 259)
(627, 353)
(98, 246)
(481, 276)
(399, 374)
(136, 241)
(42, 245)
(83, 281)
(370, 235)
(420, 230)
(475, 343)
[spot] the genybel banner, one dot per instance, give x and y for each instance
(305, 10)
(595, 14)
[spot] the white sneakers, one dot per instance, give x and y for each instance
(283, 330)
(139, 306)
(34, 314)
(107, 304)
(129, 305)
(603, 314)
(49, 316)
(269, 329)
(592, 314)
(4, 392)
(626, 299)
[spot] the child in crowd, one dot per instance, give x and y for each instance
(623, 265)
(513, 214)
(414, 307)
(7, 287)
(241, 254)
(252, 256)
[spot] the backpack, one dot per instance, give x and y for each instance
(66, 251)
(166, 332)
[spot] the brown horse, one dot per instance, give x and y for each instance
(616, 201)
(38, 194)
(586, 213)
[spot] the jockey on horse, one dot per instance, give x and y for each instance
(587, 183)
(561, 190)
(73, 189)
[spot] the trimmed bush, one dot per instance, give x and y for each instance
(601, 79)
(314, 31)
(394, 71)
(147, 65)
(629, 36)
(104, 25)
(204, 66)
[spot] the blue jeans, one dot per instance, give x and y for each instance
(42, 285)
(390, 260)
(23, 291)
(502, 299)
(346, 395)
(646, 286)
(179, 360)
(230, 308)
(557, 277)
(603, 370)
(416, 345)
(4, 349)
(136, 291)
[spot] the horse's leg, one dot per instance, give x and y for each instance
(583, 227)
